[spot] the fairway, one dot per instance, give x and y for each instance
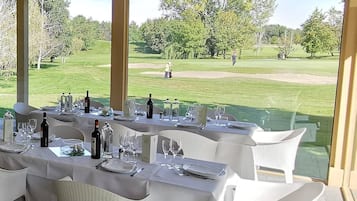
(251, 85)
(254, 90)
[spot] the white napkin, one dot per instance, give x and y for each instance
(243, 125)
(119, 166)
(13, 148)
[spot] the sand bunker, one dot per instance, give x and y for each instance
(281, 77)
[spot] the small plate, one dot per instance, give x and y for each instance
(119, 166)
(122, 118)
(12, 148)
(204, 171)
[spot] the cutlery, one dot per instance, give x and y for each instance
(99, 164)
(137, 171)
(26, 149)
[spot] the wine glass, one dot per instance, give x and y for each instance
(165, 149)
(175, 148)
(23, 136)
(124, 142)
(32, 124)
(133, 146)
(219, 112)
(189, 113)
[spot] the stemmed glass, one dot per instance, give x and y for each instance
(175, 148)
(189, 113)
(32, 124)
(133, 146)
(124, 143)
(219, 112)
(23, 133)
(165, 149)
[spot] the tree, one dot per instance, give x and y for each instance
(334, 19)
(273, 33)
(134, 32)
(227, 31)
(54, 29)
(190, 35)
(105, 31)
(261, 11)
(154, 33)
(317, 35)
(7, 34)
(85, 30)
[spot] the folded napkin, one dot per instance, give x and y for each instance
(243, 125)
(204, 171)
(13, 148)
(119, 166)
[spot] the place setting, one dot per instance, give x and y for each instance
(126, 160)
(182, 166)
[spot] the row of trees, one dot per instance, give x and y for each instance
(51, 31)
(189, 29)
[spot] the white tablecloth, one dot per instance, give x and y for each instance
(162, 184)
(234, 148)
(85, 121)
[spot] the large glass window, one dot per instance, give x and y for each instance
(273, 63)
(7, 55)
(69, 47)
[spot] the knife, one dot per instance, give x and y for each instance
(99, 164)
(137, 171)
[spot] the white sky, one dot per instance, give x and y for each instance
(291, 13)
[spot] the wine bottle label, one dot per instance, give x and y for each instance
(93, 147)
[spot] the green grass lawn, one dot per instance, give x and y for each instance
(89, 70)
(245, 98)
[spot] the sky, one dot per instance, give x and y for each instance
(291, 13)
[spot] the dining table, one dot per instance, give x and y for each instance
(231, 131)
(155, 181)
(234, 138)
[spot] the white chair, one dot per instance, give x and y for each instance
(22, 111)
(250, 190)
(277, 150)
(67, 132)
(12, 184)
(193, 145)
(68, 190)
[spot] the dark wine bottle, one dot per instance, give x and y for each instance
(149, 108)
(44, 131)
(95, 146)
(86, 104)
